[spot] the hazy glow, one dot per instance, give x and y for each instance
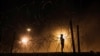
(24, 45)
(28, 29)
(66, 35)
(51, 44)
(58, 33)
(24, 40)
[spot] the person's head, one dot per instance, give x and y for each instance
(61, 35)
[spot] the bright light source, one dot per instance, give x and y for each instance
(28, 29)
(24, 40)
(64, 36)
(57, 34)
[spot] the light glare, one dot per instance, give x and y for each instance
(28, 29)
(24, 40)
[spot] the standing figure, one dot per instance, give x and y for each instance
(62, 42)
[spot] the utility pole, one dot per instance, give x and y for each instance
(72, 37)
(78, 39)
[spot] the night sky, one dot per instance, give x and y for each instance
(45, 16)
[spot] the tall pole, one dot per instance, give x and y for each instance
(78, 39)
(72, 37)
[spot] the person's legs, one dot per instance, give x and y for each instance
(62, 47)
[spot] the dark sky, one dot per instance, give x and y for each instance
(41, 15)
(9, 4)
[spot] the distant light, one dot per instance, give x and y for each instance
(24, 40)
(28, 29)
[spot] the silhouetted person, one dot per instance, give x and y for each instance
(62, 42)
